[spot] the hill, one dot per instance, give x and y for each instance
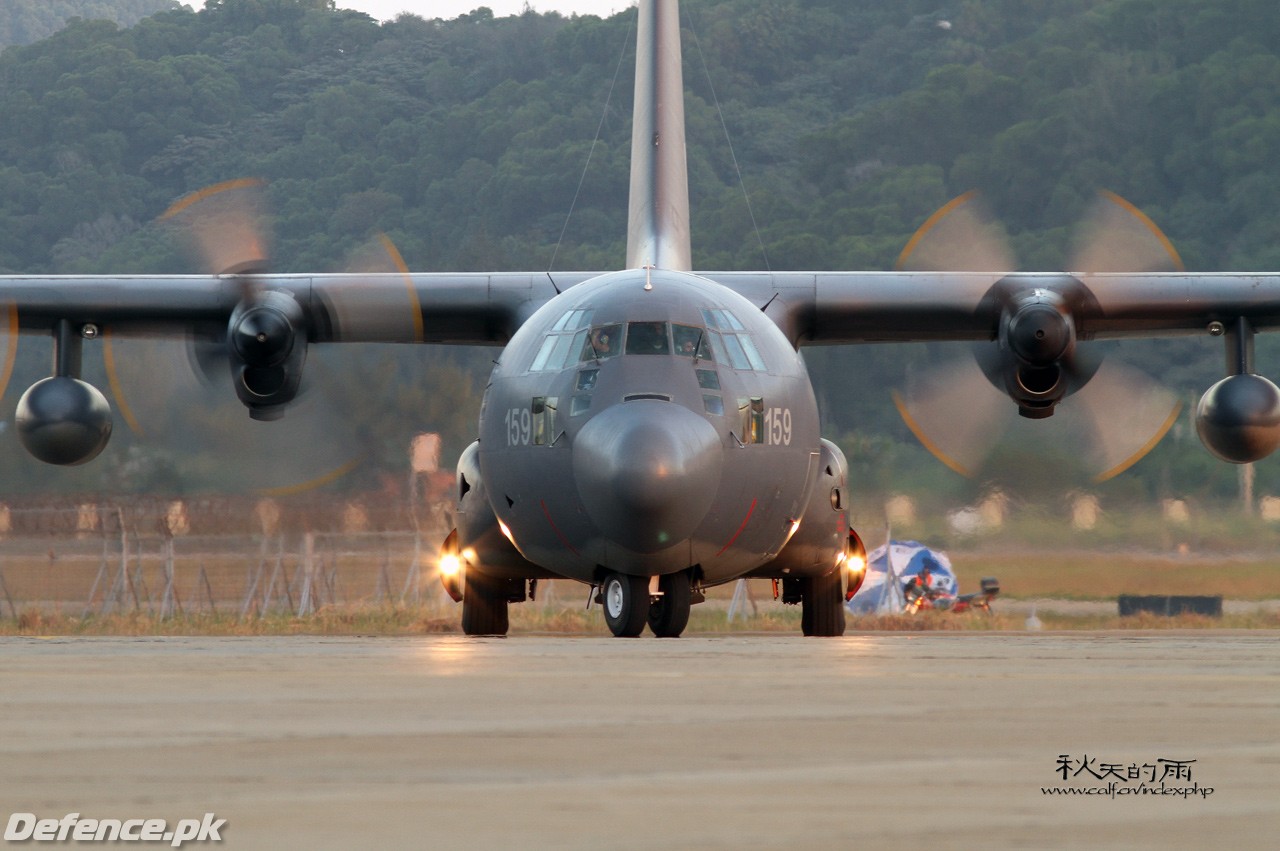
(851, 121)
(25, 21)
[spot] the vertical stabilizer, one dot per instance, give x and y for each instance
(658, 217)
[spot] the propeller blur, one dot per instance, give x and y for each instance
(652, 432)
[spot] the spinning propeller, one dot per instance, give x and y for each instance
(180, 393)
(8, 344)
(1100, 415)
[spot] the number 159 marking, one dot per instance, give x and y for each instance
(777, 426)
(519, 426)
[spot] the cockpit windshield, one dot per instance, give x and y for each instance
(648, 338)
(574, 340)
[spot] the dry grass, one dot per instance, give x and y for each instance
(556, 620)
(1105, 576)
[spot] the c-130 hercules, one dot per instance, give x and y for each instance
(653, 431)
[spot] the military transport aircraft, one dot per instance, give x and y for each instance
(650, 432)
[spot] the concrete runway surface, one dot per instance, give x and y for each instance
(760, 741)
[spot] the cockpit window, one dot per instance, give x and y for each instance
(544, 353)
(561, 345)
(647, 338)
(734, 341)
(605, 341)
(753, 355)
(690, 339)
(573, 340)
(722, 320)
(574, 319)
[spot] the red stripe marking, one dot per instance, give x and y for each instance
(552, 524)
(745, 520)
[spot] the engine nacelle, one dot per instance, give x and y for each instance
(1239, 418)
(267, 345)
(63, 420)
(1037, 347)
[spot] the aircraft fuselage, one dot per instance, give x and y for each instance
(645, 423)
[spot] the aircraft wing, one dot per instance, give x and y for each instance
(1032, 324)
(1035, 321)
(861, 307)
(810, 307)
(361, 308)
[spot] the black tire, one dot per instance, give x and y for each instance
(669, 613)
(822, 609)
(484, 605)
(626, 604)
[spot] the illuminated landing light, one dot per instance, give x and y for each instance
(856, 571)
(450, 566)
(855, 564)
(451, 576)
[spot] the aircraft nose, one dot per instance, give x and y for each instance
(647, 472)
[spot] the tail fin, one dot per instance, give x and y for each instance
(658, 216)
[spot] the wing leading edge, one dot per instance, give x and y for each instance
(461, 308)
(872, 307)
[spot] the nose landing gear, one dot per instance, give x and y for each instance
(669, 612)
(628, 604)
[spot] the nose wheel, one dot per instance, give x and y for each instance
(669, 612)
(626, 604)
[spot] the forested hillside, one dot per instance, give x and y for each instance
(851, 121)
(25, 21)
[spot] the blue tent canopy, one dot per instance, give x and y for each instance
(892, 565)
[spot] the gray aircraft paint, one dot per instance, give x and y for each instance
(755, 491)
(589, 494)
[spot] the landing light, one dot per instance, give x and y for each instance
(451, 575)
(855, 563)
(506, 533)
(450, 566)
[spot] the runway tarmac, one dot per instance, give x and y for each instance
(870, 741)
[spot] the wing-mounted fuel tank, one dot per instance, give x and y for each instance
(823, 539)
(1239, 417)
(62, 419)
(479, 541)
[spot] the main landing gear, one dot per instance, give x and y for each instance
(484, 605)
(822, 604)
(628, 604)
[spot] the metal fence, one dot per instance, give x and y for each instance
(167, 557)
